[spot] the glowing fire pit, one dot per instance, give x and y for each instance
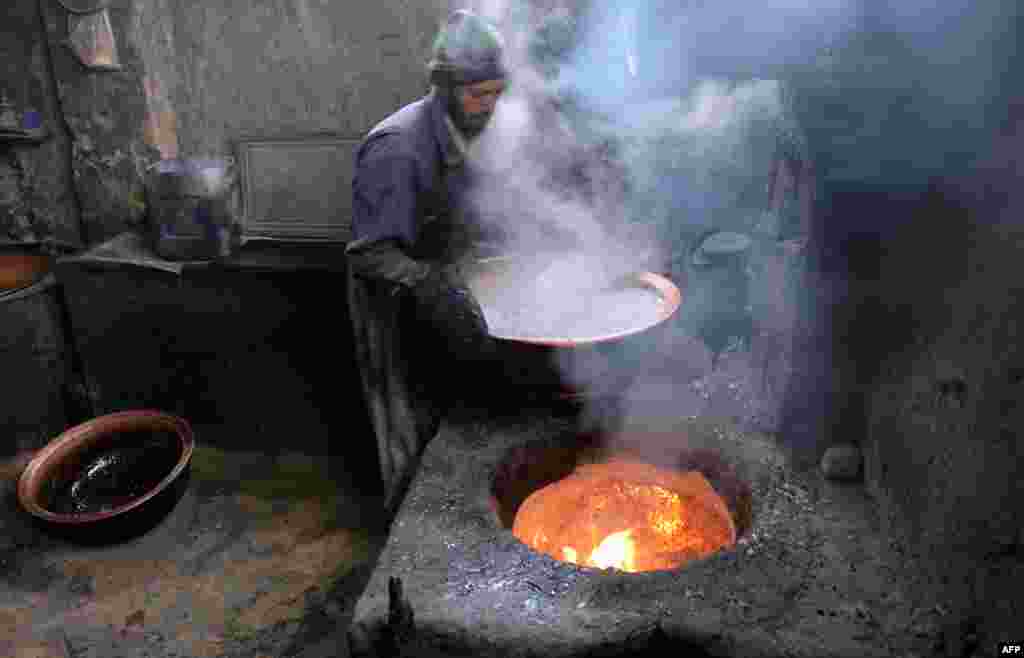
(473, 583)
(626, 515)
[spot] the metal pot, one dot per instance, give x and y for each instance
(575, 368)
(190, 208)
(63, 460)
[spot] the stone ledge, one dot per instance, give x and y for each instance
(133, 250)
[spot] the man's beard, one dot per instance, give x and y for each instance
(470, 125)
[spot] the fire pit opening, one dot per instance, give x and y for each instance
(627, 509)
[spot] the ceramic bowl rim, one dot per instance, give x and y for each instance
(35, 474)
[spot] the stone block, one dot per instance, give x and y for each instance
(842, 462)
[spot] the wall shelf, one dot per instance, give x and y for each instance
(23, 136)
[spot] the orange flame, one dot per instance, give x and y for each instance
(616, 551)
(671, 518)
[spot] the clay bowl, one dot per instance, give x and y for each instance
(21, 266)
(110, 478)
(602, 366)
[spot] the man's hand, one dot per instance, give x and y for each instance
(447, 306)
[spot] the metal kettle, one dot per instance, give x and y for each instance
(191, 208)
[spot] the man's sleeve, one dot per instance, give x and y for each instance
(385, 215)
(384, 194)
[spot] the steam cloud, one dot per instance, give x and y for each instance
(894, 93)
(629, 184)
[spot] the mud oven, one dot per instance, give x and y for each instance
(454, 579)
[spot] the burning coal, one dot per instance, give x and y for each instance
(626, 515)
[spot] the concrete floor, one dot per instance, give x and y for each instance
(263, 556)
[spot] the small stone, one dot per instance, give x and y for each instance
(137, 618)
(842, 462)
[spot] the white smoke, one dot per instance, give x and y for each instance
(672, 87)
(551, 193)
(584, 187)
(592, 201)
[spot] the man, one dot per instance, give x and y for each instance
(412, 226)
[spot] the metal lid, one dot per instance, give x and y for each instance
(189, 177)
(189, 166)
(721, 246)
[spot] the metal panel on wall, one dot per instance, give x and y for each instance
(297, 188)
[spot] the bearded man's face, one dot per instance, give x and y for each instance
(476, 105)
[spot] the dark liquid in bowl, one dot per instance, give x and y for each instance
(118, 469)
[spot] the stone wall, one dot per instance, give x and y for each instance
(916, 311)
(264, 68)
(195, 76)
(943, 442)
(36, 196)
(103, 112)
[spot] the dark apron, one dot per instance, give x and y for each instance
(407, 391)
